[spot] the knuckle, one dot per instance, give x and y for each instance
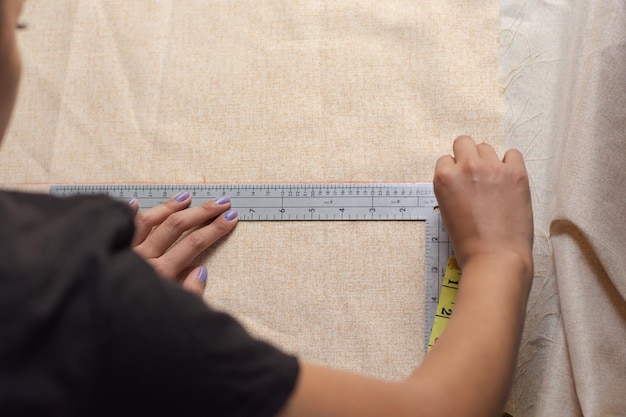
(441, 176)
(443, 181)
(175, 221)
(141, 251)
(443, 167)
(196, 240)
(172, 204)
(143, 218)
(522, 177)
(441, 161)
(160, 268)
(208, 208)
(470, 166)
(498, 169)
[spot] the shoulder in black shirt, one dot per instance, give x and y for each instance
(88, 328)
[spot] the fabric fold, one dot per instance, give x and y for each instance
(588, 230)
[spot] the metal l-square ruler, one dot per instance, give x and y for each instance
(313, 202)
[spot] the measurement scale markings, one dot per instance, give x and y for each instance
(317, 202)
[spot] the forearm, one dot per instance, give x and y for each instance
(486, 207)
(473, 361)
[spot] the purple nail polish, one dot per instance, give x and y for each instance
(132, 201)
(230, 215)
(222, 200)
(182, 196)
(202, 275)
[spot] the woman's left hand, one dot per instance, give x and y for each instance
(172, 235)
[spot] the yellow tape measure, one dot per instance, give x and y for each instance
(447, 299)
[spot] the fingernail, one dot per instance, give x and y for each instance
(230, 215)
(222, 200)
(202, 275)
(182, 196)
(132, 201)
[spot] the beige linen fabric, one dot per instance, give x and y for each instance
(589, 229)
(573, 357)
(533, 42)
(268, 91)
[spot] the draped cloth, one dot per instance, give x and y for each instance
(565, 76)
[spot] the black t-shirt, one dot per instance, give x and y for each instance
(87, 328)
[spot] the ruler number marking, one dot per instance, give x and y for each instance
(314, 202)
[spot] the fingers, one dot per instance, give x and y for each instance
(134, 205)
(444, 162)
(443, 167)
(174, 225)
(464, 146)
(196, 280)
(473, 157)
(171, 236)
(486, 152)
(179, 256)
(146, 220)
(513, 156)
(466, 151)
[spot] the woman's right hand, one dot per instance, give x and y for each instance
(485, 202)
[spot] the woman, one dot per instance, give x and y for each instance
(90, 327)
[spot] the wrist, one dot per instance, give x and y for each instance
(514, 264)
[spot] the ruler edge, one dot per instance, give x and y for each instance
(429, 222)
(57, 189)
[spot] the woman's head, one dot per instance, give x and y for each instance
(10, 63)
